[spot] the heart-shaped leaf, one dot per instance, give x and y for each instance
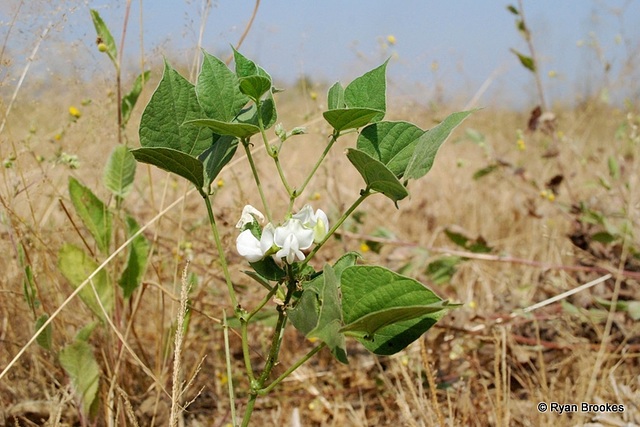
(350, 118)
(428, 145)
(173, 161)
(393, 143)
(369, 91)
(162, 123)
(377, 176)
(218, 90)
(367, 290)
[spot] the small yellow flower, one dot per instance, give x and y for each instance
(521, 145)
(391, 39)
(220, 183)
(314, 95)
(551, 196)
(472, 304)
(313, 339)
(313, 405)
(74, 112)
(543, 194)
(316, 196)
(404, 360)
(364, 248)
(580, 43)
(435, 65)
(553, 73)
(58, 136)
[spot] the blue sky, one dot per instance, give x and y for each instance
(337, 40)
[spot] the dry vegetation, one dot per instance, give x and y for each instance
(486, 363)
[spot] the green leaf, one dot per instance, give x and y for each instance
(484, 171)
(372, 289)
(119, 171)
(373, 322)
(103, 32)
(513, 9)
(83, 371)
(369, 91)
(330, 316)
(246, 67)
(614, 168)
(603, 237)
(335, 98)
(392, 143)
(268, 269)
(442, 270)
(267, 111)
(76, 266)
(93, 213)
(173, 161)
(255, 86)
(218, 90)
(526, 61)
(238, 130)
(136, 261)
(162, 123)
(305, 313)
(349, 118)
(44, 339)
(427, 147)
(478, 245)
(377, 176)
(130, 99)
(217, 156)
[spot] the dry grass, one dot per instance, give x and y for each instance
(486, 363)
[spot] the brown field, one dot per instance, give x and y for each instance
(485, 363)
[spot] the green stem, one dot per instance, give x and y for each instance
(245, 144)
(246, 355)
(232, 400)
(274, 350)
(334, 138)
(223, 260)
(273, 153)
(363, 195)
(288, 372)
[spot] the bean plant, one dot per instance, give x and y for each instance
(194, 130)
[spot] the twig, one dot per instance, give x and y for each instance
(246, 30)
(492, 258)
(24, 74)
(568, 293)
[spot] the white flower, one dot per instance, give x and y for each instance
(293, 237)
(253, 249)
(249, 215)
(317, 221)
(249, 247)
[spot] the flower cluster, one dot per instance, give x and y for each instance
(287, 241)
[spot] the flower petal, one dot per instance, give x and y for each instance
(249, 215)
(249, 247)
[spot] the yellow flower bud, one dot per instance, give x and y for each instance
(74, 112)
(391, 39)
